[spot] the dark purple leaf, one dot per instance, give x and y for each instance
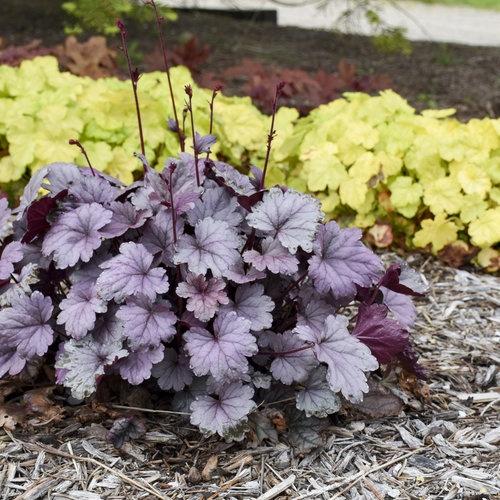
(385, 337)
(36, 216)
(125, 429)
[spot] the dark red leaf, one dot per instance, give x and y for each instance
(36, 216)
(385, 337)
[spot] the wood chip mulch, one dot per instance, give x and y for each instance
(444, 445)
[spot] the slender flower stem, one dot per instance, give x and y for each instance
(134, 78)
(172, 168)
(272, 132)
(163, 46)
(211, 103)
(189, 92)
(77, 143)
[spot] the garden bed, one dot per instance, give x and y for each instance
(434, 75)
(444, 445)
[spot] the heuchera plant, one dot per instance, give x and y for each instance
(224, 293)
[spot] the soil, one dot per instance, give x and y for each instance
(434, 75)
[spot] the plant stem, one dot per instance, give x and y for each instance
(134, 78)
(211, 103)
(272, 132)
(163, 46)
(189, 93)
(171, 193)
(77, 143)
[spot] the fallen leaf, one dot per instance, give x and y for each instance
(379, 402)
(193, 476)
(209, 468)
(11, 414)
(410, 383)
(125, 429)
(278, 419)
(262, 429)
(37, 402)
(380, 235)
(457, 254)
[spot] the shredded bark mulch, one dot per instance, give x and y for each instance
(443, 445)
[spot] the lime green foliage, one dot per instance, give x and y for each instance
(480, 4)
(369, 159)
(42, 108)
(101, 15)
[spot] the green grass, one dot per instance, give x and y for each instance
(480, 4)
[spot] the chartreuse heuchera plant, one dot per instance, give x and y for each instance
(222, 292)
(369, 159)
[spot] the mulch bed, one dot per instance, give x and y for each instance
(434, 75)
(444, 445)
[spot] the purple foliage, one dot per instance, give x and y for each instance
(222, 293)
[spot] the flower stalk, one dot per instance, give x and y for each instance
(134, 78)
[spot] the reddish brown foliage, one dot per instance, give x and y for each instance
(303, 90)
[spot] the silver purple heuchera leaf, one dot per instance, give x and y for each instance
(273, 256)
(31, 191)
(239, 275)
(173, 372)
(181, 402)
(341, 261)
(125, 217)
(158, 236)
(203, 296)
(131, 273)
(223, 414)
(83, 361)
(5, 218)
(137, 366)
(213, 247)
(11, 363)
(202, 144)
(291, 217)
(26, 325)
(147, 323)
(252, 304)
(10, 255)
(316, 398)
(401, 306)
(314, 313)
(224, 353)
(89, 189)
(293, 359)
(218, 204)
(19, 287)
(79, 309)
(240, 184)
(61, 176)
(346, 357)
(75, 235)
